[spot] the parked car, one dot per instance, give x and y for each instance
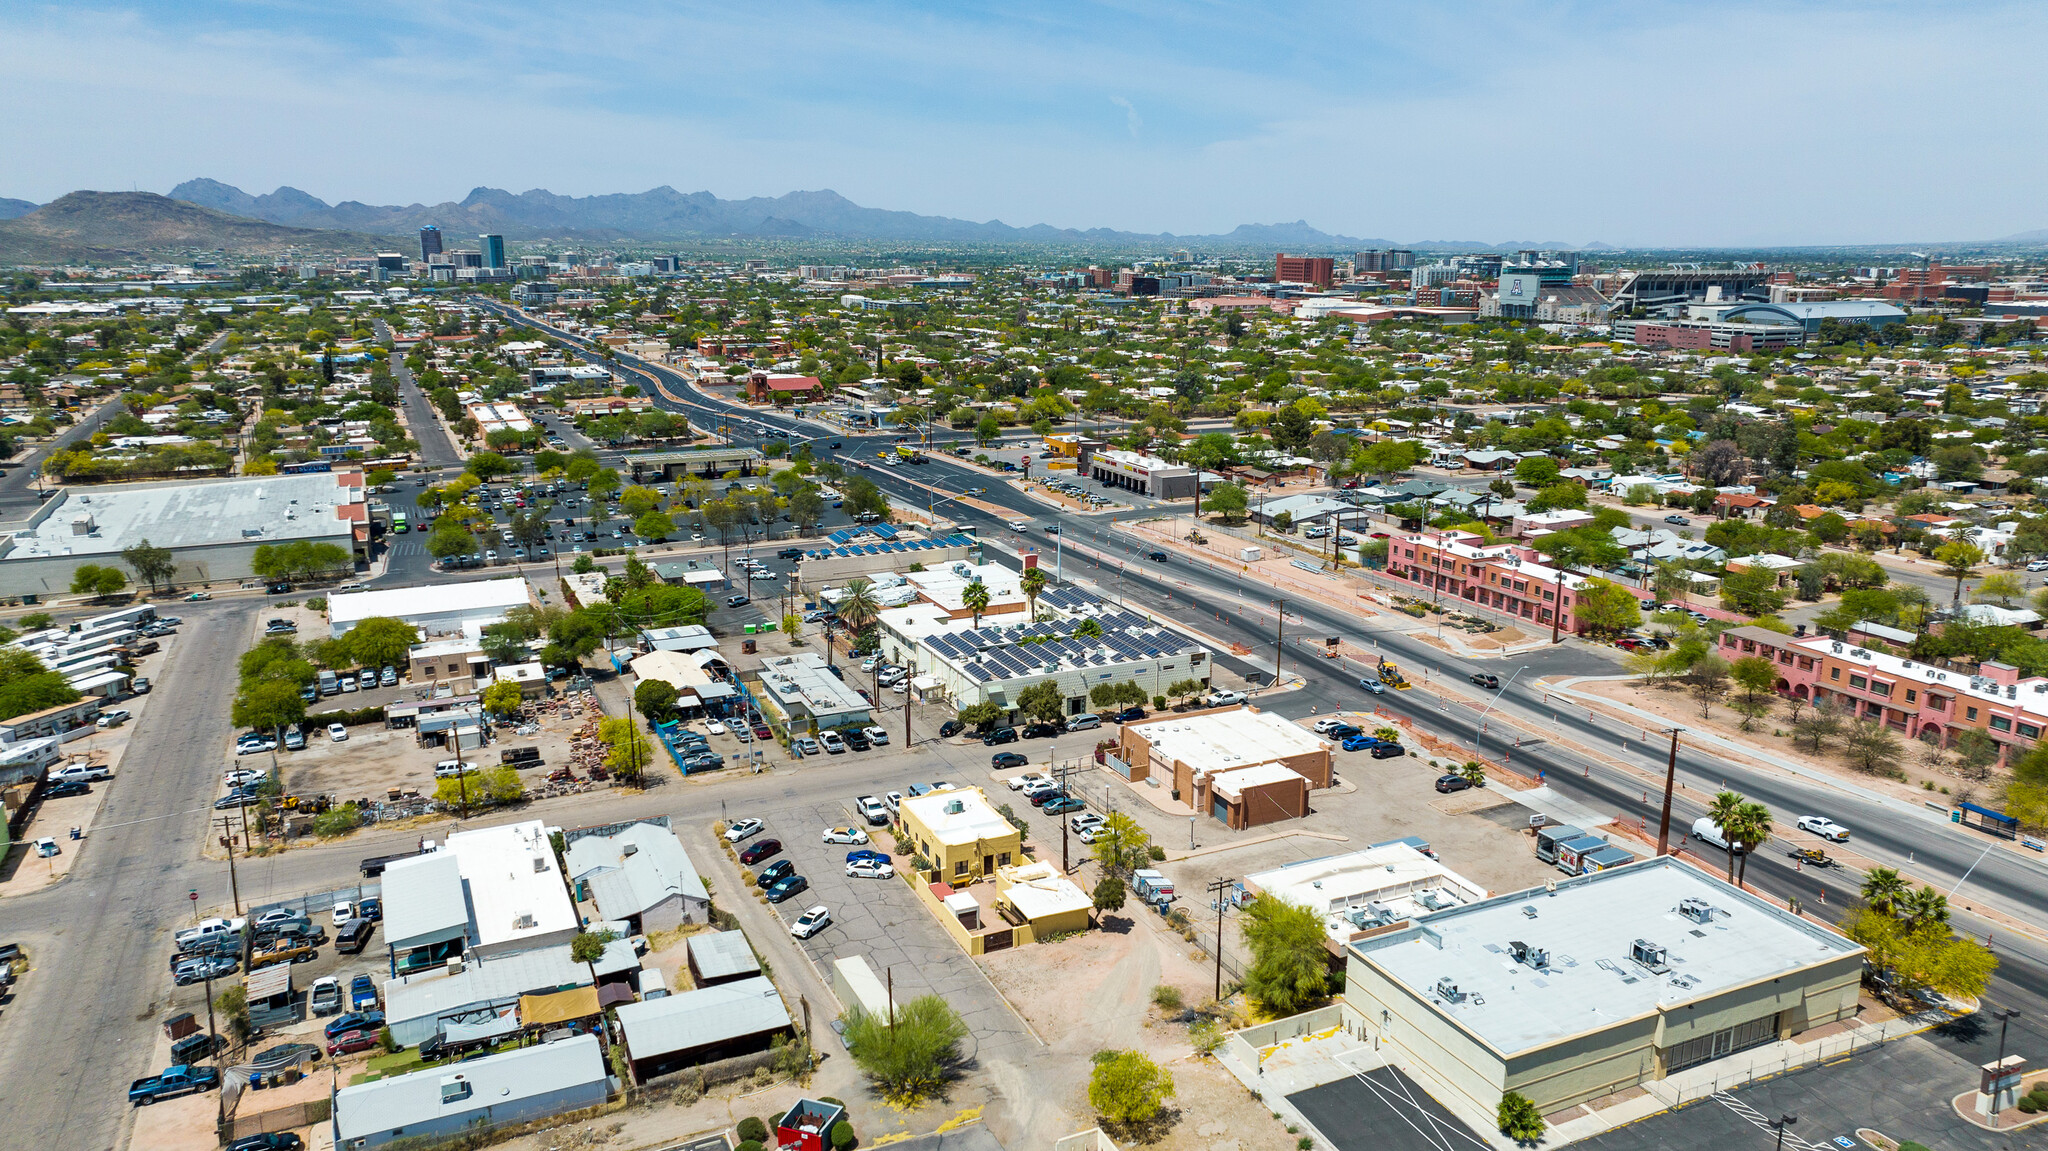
(740, 829)
(1680, 520)
(1086, 721)
(999, 735)
(786, 888)
(868, 853)
(355, 1021)
(875, 811)
(1020, 782)
(255, 746)
(171, 1083)
(774, 873)
(240, 797)
(1343, 731)
(352, 937)
(831, 742)
(1041, 730)
(1449, 783)
(1388, 751)
(731, 600)
(1060, 805)
(352, 1041)
(805, 745)
(759, 851)
(855, 739)
(362, 993)
(82, 773)
(1360, 742)
(269, 1141)
(192, 969)
(951, 728)
(327, 998)
(1130, 714)
(875, 735)
(870, 869)
(845, 835)
(1003, 759)
(207, 929)
(66, 789)
(812, 921)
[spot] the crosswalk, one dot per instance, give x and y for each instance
(407, 547)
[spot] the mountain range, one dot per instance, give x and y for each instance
(666, 213)
(119, 227)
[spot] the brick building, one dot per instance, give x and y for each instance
(1318, 270)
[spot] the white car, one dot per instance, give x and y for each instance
(2037, 565)
(869, 869)
(344, 911)
(1325, 724)
(277, 915)
(852, 835)
(1824, 827)
(450, 768)
(1039, 785)
(88, 772)
(714, 728)
(742, 829)
(236, 777)
(1086, 821)
(811, 922)
(337, 733)
(255, 746)
(1031, 779)
(870, 663)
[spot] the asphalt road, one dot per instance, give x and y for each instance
(18, 496)
(436, 449)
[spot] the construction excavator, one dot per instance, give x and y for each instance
(1391, 675)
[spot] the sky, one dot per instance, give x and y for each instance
(1632, 124)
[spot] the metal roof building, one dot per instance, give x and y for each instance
(641, 875)
(516, 1087)
(1876, 313)
(436, 609)
(698, 1026)
(721, 957)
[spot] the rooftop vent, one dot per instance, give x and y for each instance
(955, 807)
(1529, 956)
(1528, 911)
(1697, 910)
(1649, 955)
(1448, 991)
(630, 849)
(523, 921)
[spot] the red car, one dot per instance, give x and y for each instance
(760, 850)
(761, 731)
(352, 1042)
(1629, 644)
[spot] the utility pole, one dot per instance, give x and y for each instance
(227, 840)
(220, 1109)
(1066, 862)
(1279, 629)
(1216, 889)
(1670, 777)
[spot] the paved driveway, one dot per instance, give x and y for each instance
(1383, 1110)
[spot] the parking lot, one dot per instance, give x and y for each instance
(879, 919)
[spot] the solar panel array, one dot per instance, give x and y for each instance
(848, 548)
(1125, 638)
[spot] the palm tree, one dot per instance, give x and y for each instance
(1925, 906)
(1754, 819)
(1883, 890)
(975, 597)
(1726, 812)
(1033, 582)
(857, 609)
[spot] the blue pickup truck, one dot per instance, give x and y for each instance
(173, 1082)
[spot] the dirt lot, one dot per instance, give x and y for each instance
(374, 759)
(1094, 991)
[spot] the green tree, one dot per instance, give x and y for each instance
(1109, 894)
(1753, 592)
(1958, 561)
(1289, 969)
(1872, 747)
(2002, 587)
(1558, 496)
(981, 716)
(975, 597)
(654, 526)
(1120, 844)
(987, 431)
(97, 581)
(1537, 471)
(656, 699)
(268, 705)
(1126, 1088)
(1604, 607)
(1043, 701)
(1819, 725)
(630, 751)
(1884, 889)
(26, 685)
(1906, 957)
(1752, 828)
(1229, 501)
(1757, 677)
(381, 641)
(487, 466)
(1032, 582)
(1519, 1119)
(1726, 812)
(912, 1057)
(587, 947)
(503, 699)
(151, 564)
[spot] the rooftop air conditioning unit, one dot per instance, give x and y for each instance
(630, 849)
(523, 921)
(1649, 955)
(1448, 991)
(1536, 957)
(1697, 910)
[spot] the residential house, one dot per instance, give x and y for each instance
(639, 875)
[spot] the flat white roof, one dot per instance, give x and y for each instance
(1393, 875)
(1227, 740)
(975, 819)
(1232, 783)
(514, 884)
(351, 607)
(946, 584)
(1038, 890)
(1589, 925)
(256, 510)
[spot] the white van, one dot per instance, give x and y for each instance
(1086, 721)
(1707, 831)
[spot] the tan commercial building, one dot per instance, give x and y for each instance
(1595, 985)
(1242, 766)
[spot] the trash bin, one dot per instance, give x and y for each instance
(77, 834)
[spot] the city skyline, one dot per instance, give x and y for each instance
(1575, 123)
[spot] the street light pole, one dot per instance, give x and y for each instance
(1779, 1124)
(1479, 732)
(2005, 1019)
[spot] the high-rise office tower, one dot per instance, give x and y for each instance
(430, 242)
(494, 250)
